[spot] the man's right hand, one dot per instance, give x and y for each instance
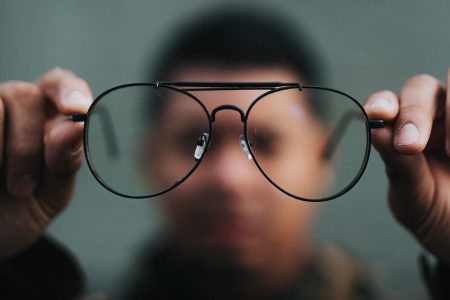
(40, 153)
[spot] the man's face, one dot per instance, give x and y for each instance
(226, 212)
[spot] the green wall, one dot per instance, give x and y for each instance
(369, 46)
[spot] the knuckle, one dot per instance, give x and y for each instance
(431, 221)
(55, 70)
(26, 162)
(75, 82)
(385, 94)
(58, 71)
(413, 113)
(56, 74)
(412, 108)
(24, 92)
(68, 84)
(421, 79)
(24, 149)
(389, 94)
(74, 163)
(26, 166)
(27, 139)
(83, 84)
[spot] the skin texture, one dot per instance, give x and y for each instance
(227, 214)
(41, 154)
(417, 159)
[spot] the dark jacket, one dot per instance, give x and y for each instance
(47, 271)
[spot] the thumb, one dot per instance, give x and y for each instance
(63, 158)
(411, 186)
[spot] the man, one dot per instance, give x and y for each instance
(233, 235)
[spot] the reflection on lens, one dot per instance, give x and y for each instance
(143, 140)
(310, 143)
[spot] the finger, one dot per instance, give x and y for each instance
(68, 92)
(409, 176)
(447, 116)
(24, 107)
(63, 156)
(419, 102)
(2, 129)
(63, 151)
(64, 148)
(382, 105)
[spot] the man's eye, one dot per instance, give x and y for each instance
(264, 142)
(185, 142)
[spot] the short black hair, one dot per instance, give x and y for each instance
(240, 37)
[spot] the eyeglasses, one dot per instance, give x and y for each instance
(143, 139)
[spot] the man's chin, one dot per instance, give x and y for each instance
(230, 253)
(229, 242)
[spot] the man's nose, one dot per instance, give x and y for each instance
(228, 161)
(228, 165)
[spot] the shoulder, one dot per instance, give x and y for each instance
(340, 274)
(45, 270)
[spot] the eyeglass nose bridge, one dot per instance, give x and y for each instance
(225, 107)
(242, 142)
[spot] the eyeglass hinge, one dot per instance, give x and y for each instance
(376, 124)
(79, 118)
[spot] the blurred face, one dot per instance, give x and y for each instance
(227, 213)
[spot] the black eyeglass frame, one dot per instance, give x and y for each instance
(187, 87)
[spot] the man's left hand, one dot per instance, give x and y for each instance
(415, 146)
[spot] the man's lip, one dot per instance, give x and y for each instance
(229, 233)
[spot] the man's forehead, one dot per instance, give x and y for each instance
(249, 73)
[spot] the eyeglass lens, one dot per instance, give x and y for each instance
(310, 143)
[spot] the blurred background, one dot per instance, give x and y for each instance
(368, 46)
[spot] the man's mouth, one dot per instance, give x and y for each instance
(229, 233)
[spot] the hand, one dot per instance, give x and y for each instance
(40, 153)
(416, 150)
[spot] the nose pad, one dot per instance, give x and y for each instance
(245, 147)
(202, 141)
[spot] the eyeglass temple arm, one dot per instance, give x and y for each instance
(338, 132)
(106, 124)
